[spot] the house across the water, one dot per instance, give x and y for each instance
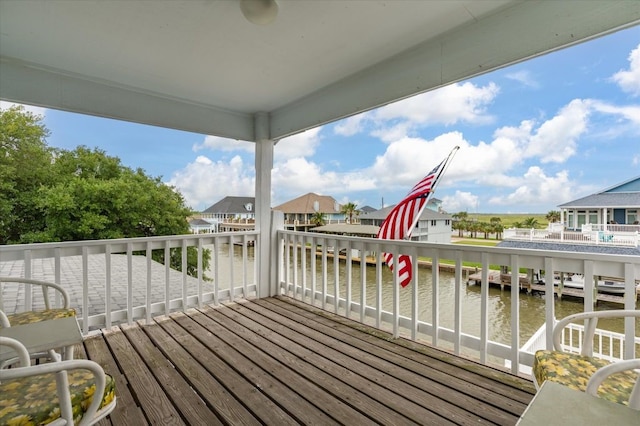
(617, 205)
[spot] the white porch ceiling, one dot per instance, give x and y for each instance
(198, 65)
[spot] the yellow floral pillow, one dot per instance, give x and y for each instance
(34, 401)
(574, 371)
(30, 317)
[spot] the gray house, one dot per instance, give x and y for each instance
(432, 226)
(619, 204)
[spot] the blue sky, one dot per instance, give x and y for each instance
(532, 136)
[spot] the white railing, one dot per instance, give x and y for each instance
(608, 345)
(587, 236)
(116, 281)
(345, 292)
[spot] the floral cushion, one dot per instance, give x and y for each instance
(34, 401)
(575, 370)
(37, 316)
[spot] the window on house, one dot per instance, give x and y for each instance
(632, 216)
(433, 223)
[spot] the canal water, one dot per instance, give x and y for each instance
(531, 306)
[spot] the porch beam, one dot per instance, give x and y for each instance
(22, 82)
(516, 33)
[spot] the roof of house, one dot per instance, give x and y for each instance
(307, 204)
(199, 222)
(581, 248)
(625, 194)
(367, 209)
(349, 229)
(232, 205)
(382, 214)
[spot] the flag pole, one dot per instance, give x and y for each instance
(445, 165)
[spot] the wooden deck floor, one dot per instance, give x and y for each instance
(277, 361)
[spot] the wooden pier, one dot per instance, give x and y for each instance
(496, 278)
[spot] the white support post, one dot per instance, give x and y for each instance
(263, 165)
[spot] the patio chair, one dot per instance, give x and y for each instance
(30, 316)
(55, 393)
(46, 310)
(617, 382)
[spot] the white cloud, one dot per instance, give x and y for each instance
(350, 126)
(32, 109)
(556, 139)
(298, 176)
(523, 77)
(448, 105)
(536, 188)
(630, 113)
(629, 80)
(204, 182)
(300, 145)
(460, 201)
(224, 144)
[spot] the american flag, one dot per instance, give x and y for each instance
(403, 217)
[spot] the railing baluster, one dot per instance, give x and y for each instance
(85, 289)
(414, 294)
(232, 287)
(129, 283)
(378, 310)
(363, 282)
(200, 272)
(149, 259)
(457, 319)
(107, 285)
(348, 265)
(183, 264)
(324, 273)
(314, 270)
(435, 305)
(167, 276)
(515, 314)
(336, 276)
(216, 272)
(484, 308)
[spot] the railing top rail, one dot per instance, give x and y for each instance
(62, 244)
(560, 254)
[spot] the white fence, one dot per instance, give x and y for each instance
(129, 273)
(116, 281)
(297, 278)
(587, 236)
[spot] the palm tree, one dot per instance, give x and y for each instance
(460, 222)
(553, 216)
(496, 227)
(318, 219)
(530, 222)
(349, 210)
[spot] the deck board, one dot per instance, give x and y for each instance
(278, 361)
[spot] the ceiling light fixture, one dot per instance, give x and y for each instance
(259, 12)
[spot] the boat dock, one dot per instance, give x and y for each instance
(500, 279)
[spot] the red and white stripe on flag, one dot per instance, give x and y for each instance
(398, 224)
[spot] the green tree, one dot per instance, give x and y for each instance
(553, 216)
(460, 222)
(496, 226)
(318, 219)
(349, 210)
(530, 222)
(24, 165)
(82, 194)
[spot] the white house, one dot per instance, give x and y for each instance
(619, 204)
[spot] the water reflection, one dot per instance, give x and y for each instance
(531, 306)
